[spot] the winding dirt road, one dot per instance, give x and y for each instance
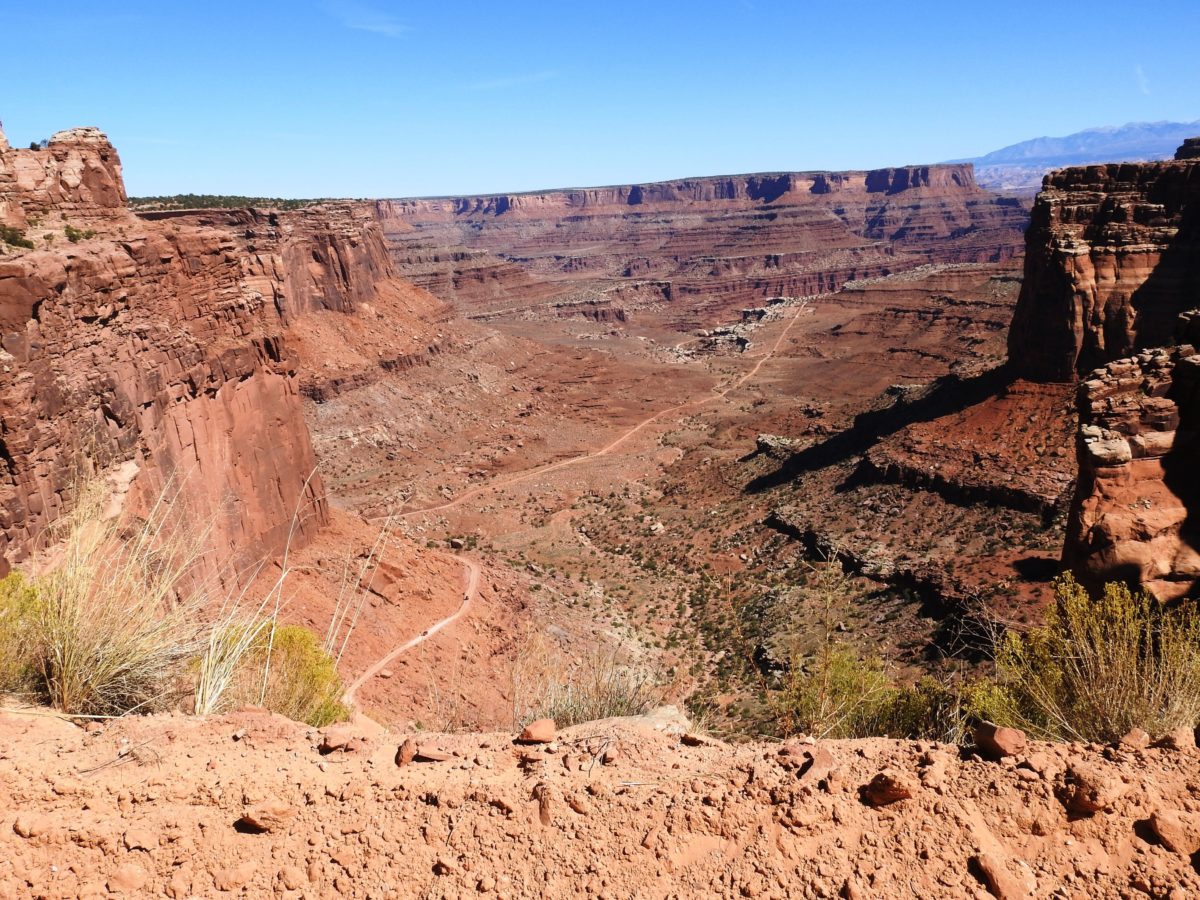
(469, 595)
(472, 568)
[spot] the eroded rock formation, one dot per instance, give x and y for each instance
(160, 344)
(1134, 517)
(1118, 269)
(77, 175)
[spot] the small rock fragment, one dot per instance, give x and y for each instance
(1090, 790)
(406, 752)
(888, 787)
(1000, 883)
(1179, 831)
(429, 753)
(818, 763)
(30, 826)
(1182, 738)
(541, 793)
(540, 731)
(267, 817)
(140, 839)
(128, 877)
(340, 737)
(292, 878)
(998, 742)
(1136, 739)
(235, 877)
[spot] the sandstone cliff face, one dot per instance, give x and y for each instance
(328, 257)
(160, 344)
(1112, 258)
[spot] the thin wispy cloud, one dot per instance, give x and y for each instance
(361, 17)
(511, 81)
(1142, 81)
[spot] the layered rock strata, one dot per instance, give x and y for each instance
(1134, 519)
(1112, 259)
(718, 244)
(1120, 245)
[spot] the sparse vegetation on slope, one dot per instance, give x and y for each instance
(548, 684)
(289, 672)
(216, 201)
(14, 237)
(115, 620)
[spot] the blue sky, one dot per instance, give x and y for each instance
(375, 98)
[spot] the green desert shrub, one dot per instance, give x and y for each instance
(1099, 666)
(288, 671)
(18, 605)
(839, 694)
(75, 235)
(14, 237)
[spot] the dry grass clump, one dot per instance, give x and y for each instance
(18, 600)
(116, 619)
(1100, 666)
(131, 617)
(548, 684)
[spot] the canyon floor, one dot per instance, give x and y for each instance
(610, 479)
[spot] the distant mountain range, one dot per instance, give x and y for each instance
(1019, 168)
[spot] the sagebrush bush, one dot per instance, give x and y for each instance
(288, 671)
(838, 694)
(18, 605)
(1098, 667)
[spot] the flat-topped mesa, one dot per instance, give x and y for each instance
(76, 177)
(1112, 257)
(724, 191)
(718, 244)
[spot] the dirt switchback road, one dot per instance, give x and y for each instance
(471, 592)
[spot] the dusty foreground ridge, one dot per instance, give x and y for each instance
(255, 804)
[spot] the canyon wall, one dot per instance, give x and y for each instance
(159, 343)
(1112, 277)
(717, 244)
